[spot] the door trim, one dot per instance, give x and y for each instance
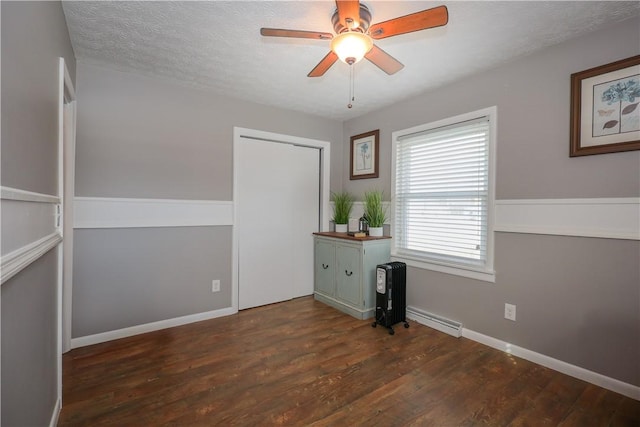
(66, 176)
(325, 172)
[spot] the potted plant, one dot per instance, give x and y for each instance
(342, 206)
(375, 212)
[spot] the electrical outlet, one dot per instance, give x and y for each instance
(215, 286)
(510, 312)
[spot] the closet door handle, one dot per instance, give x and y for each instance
(325, 266)
(348, 273)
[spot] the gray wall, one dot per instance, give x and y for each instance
(29, 334)
(143, 137)
(151, 274)
(578, 299)
(532, 95)
(34, 36)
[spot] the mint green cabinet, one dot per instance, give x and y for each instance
(345, 271)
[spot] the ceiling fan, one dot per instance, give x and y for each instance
(353, 39)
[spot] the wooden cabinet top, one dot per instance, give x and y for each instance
(345, 236)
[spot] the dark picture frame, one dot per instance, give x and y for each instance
(365, 155)
(605, 110)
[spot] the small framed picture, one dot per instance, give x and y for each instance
(605, 115)
(364, 155)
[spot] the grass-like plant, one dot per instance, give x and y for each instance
(343, 204)
(374, 209)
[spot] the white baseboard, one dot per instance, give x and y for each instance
(56, 413)
(149, 327)
(600, 380)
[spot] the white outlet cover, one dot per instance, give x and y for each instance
(215, 286)
(510, 312)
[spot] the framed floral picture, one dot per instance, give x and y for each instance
(605, 115)
(364, 155)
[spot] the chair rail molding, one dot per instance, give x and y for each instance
(30, 228)
(9, 193)
(108, 212)
(18, 260)
(610, 218)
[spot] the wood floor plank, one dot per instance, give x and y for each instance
(302, 363)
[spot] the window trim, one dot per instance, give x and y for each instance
(486, 273)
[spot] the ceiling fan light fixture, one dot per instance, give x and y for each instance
(351, 46)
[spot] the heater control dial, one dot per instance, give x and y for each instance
(381, 279)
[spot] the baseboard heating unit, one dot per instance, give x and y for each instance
(436, 322)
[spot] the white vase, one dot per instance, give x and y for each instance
(375, 231)
(342, 228)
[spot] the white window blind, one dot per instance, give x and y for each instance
(442, 194)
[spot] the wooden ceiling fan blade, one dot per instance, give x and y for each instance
(296, 34)
(383, 60)
(349, 13)
(430, 18)
(324, 65)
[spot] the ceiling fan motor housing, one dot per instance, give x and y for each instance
(363, 25)
(354, 35)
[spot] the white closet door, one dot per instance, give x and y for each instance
(270, 197)
(306, 216)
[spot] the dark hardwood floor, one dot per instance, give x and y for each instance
(303, 363)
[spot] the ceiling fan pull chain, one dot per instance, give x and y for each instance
(353, 83)
(352, 96)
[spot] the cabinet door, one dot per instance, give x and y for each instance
(325, 267)
(349, 263)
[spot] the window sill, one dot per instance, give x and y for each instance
(485, 276)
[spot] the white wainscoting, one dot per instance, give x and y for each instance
(102, 212)
(26, 222)
(611, 218)
(29, 228)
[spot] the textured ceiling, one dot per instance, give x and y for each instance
(217, 45)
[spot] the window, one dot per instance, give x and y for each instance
(443, 180)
